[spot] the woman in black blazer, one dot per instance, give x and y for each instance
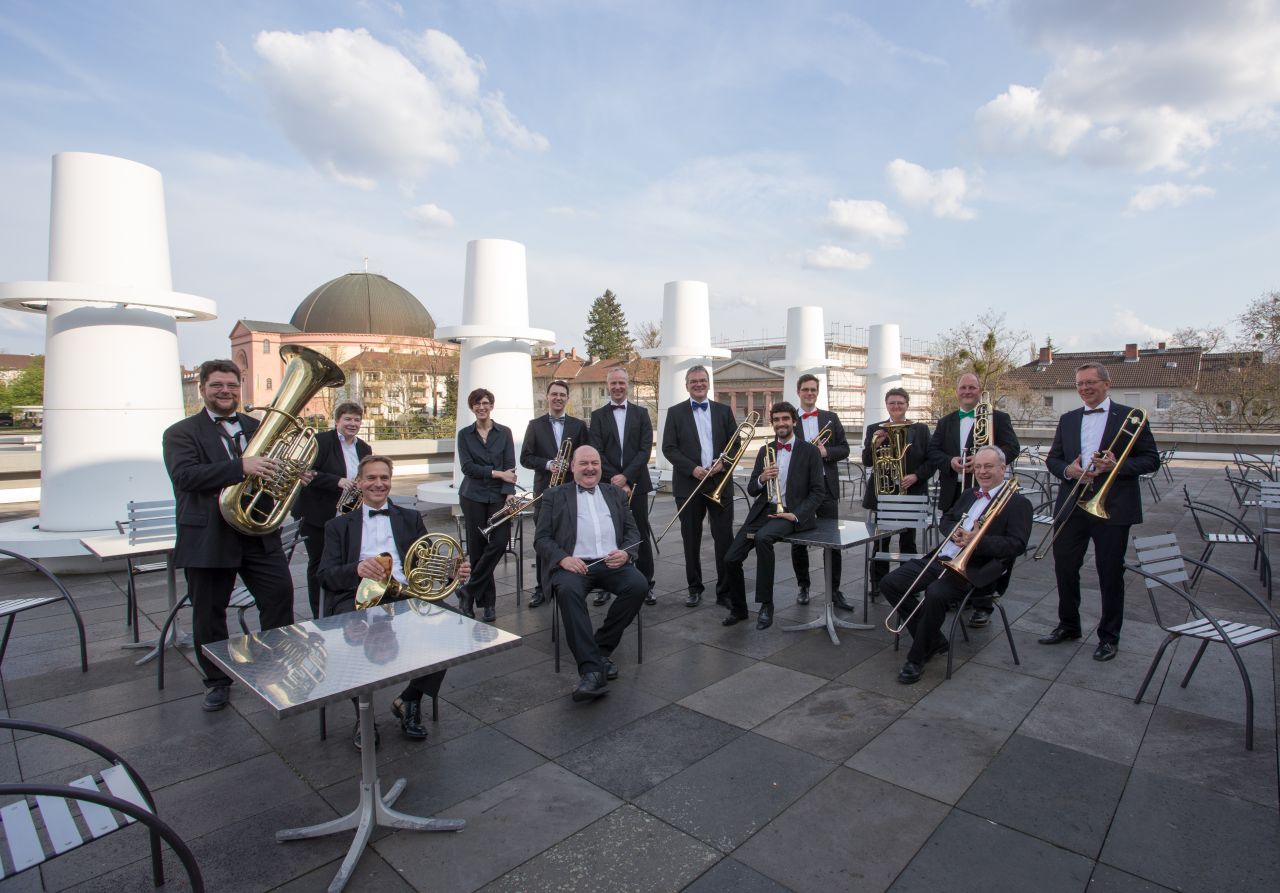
(487, 453)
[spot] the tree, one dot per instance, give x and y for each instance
(988, 348)
(1260, 326)
(606, 336)
(27, 387)
(648, 335)
(1207, 339)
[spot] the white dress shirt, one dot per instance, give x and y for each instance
(1092, 424)
(980, 505)
(619, 419)
(966, 428)
(596, 536)
(809, 426)
(702, 421)
(376, 538)
(350, 455)
(232, 430)
(784, 466)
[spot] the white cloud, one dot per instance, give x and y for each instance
(866, 219)
(833, 257)
(359, 109)
(942, 191)
(1166, 195)
(430, 215)
(1019, 117)
(1125, 324)
(571, 213)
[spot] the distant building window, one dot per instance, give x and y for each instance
(268, 384)
(1133, 399)
(1048, 401)
(1224, 408)
(1164, 401)
(266, 346)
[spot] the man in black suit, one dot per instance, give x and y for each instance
(352, 544)
(814, 421)
(951, 455)
(1084, 433)
(915, 467)
(542, 441)
(623, 435)
(1003, 538)
(697, 434)
(797, 472)
(203, 454)
(588, 538)
(338, 455)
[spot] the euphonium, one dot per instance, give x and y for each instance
(983, 434)
(350, 499)
(887, 462)
(430, 573)
(258, 505)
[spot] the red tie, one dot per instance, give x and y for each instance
(785, 446)
(809, 415)
(982, 494)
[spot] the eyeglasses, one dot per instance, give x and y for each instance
(1088, 383)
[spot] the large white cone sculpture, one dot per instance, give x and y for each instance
(806, 352)
(884, 369)
(686, 341)
(112, 377)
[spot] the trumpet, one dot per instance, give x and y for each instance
(519, 502)
(773, 486)
(430, 572)
(983, 435)
(1079, 495)
(824, 435)
(887, 462)
(957, 564)
(350, 499)
(734, 449)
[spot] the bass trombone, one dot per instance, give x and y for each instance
(430, 572)
(734, 449)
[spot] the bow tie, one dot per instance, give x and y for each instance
(582, 489)
(981, 494)
(556, 420)
(808, 415)
(783, 446)
(966, 413)
(373, 513)
(1092, 411)
(228, 419)
(618, 405)
(697, 405)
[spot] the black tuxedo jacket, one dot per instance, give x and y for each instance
(1124, 500)
(557, 530)
(343, 537)
(683, 449)
(1004, 541)
(630, 459)
(805, 488)
(195, 454)
(945, 446)
(837, 450)
(916, 461)
(540, 446)
(318, 501)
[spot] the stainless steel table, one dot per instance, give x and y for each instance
(307, 665)
(832, 535)
(113, 546)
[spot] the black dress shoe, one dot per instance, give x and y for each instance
(601, 598)
(838, 601)
(216, 697)
(591, 687)
(764, 619)
(466, 603)
(979, 618)
(610, 670)
(377, 736)
(910, 673)
(1058, 635)
(490, 615)
(802, 597)
(693, 599)
(410, 715)
(650, 599)
(733, 617)
(538, 598)
(1104, 651)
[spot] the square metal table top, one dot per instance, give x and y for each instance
(837, 533)
(117, 545)
(310, 664)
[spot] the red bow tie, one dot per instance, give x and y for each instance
(808, 415)
(784, 446)
(982, 494)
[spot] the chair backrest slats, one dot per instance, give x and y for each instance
(99, 819)
(59, 823)
(20, 832)
(152, 521)
(122, 786)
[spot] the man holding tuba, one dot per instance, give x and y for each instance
(352, 544)
(1082, 449)
(203, 454)
(1001, 538)
(544, 450)
(822, 428)
(902, 446)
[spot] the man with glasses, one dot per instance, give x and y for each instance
(1081, 451)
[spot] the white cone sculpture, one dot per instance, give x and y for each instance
(112, 377)
(884, 369)
(497, 344)
(686, 341)
(806, 352)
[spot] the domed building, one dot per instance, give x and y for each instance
(379, 333)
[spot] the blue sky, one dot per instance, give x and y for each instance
(1098, 171)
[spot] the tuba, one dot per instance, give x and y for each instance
(258, 505)
(887, 462)
(430, 573)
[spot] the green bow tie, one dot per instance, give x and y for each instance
(966, 413)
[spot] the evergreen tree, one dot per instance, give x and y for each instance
(606, 336)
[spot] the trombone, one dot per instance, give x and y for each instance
(732, 454)
(957, 564)
(1079, 495)
(519, 502)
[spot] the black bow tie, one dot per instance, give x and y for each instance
(619, 405)
(582, 489)
(559, 420)
(1092, 411)
(229, 419)
(373, 513)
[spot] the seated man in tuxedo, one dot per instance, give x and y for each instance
(587, 538)
(1003, 538)
(798, 473)
(352, 544)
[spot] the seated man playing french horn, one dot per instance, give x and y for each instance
(357, 546)
(989, 525)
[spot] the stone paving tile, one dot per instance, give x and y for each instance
(726, 797)
(1190, 838)
(506, 826)
(833, 722)
(1112, 880)
(634, 758)
(1136, 636)
(627, 851)
(731, 876)
(1029, 775)
(513, 660)
(1036, 659)
(84, 706)
(879, 673)
(751, 696)
(1216, 688)
(692, 669)
(958, 858)
(1103, 725)
(814, 654)
(850, 832)
(498, 698)
(1210, 752)
(984, 695)
(1119, 676)
(372, 873)
(559, 726)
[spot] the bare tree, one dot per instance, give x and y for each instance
(648, 335)
(989, 348)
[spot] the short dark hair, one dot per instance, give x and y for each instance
(348, 408)
(897, 392)
(208, 367)
(558, 381)
(784, 406)
(477, 395)
(698, 368)
(1096, 367)
(808, 376)
(370, 459)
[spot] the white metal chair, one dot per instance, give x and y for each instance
(913, 512)
(10, 608)
(146, 522)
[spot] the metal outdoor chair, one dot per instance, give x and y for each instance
(1249, 465)
(1163, 567)
(146, 522)
(10, 608)
(556, 621)
(1238, 534)
(1242, 488)
(49, 820)
(1166, 458)
(854, 474)
(996, 590)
